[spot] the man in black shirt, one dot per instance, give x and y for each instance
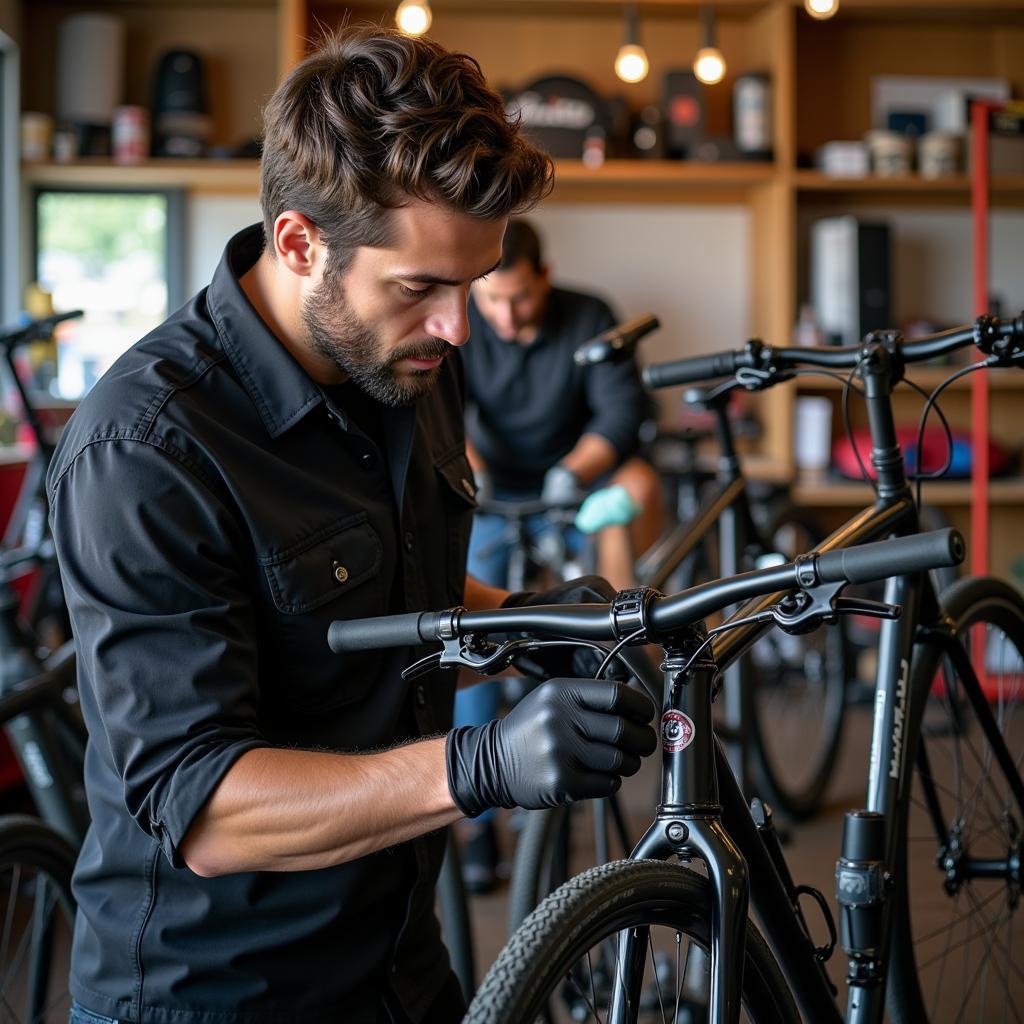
(285, 450)
(539, 425)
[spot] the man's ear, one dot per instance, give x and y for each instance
(297, 243)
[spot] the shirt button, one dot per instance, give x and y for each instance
(408, 540)
(368, 460)
(340, 572)
(421, 696)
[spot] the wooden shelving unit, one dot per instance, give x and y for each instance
(820, 71)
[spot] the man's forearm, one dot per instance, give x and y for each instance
(479, 596)
(296, 810)
(591, 456)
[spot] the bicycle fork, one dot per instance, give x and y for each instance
(689, 826)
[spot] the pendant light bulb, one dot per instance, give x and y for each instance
(413, 17)
(631, 64)
(709, 64)
(821, 9)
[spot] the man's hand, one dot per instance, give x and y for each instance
(563, 660)
(570, 739)
(561, 486)
(484, 484)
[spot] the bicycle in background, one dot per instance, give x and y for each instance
(41, 718)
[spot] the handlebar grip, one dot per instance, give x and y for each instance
(900, 556)
(690, 371)
(385, 631)
(616, 341)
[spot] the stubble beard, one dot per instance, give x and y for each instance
(337, 333)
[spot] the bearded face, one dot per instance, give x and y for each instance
(337, 333)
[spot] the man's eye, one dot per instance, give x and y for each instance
(413, 293)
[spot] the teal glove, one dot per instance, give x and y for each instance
(610, 506)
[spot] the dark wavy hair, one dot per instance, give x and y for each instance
(372, 118)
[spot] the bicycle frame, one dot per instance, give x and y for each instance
(703, 814)
(725, 506)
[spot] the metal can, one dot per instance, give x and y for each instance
(752, 114)
(130, 133)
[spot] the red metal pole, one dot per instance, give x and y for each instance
(979, 381)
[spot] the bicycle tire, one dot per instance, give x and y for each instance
(37, 911)
(800, 688)
(524, 981)
(553, 846)
(943, 744)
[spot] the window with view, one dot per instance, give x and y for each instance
(118, 257)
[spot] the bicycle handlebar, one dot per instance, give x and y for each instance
(616, 341)
(901, 556)
(690, 371)
(12, 337)
(985, 332)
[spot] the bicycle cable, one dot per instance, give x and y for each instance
(848, 386)
(930, 403)
(618, 647)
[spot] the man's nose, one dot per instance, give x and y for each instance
(450, 321)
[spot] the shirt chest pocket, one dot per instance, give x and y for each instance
(336, 573)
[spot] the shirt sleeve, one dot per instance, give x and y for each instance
(617, 398)
(154, 574)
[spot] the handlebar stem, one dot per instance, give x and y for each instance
(881, 368)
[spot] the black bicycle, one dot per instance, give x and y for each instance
(40, 716)
(941, 833)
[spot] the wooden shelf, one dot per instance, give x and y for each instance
(643, 180)
(196, 175)
(658, 181)
(831, 492)
(1006, 189)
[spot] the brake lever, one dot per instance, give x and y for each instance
(481, 656)
(871, 609)
(808, 609)
(753, 378)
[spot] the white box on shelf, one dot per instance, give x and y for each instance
(843, 159)
(813, 433)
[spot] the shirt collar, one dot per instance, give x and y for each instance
(280, 389)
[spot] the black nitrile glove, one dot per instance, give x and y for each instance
(570, 739)
(581, 662)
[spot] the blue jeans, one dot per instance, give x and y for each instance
(80, 1015)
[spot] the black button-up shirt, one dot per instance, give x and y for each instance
(530, 404)
(214, 510)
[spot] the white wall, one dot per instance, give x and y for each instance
(209, 222)
(688, 266)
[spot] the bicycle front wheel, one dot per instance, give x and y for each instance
(561, 964)
(37, 910)
(958, 933)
